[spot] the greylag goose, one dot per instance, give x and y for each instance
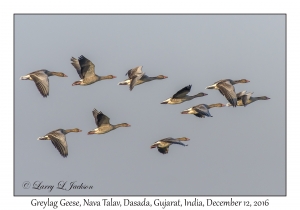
(201, 110)
(134, 76)
(86, 71)
(226, 88)
(58, 139)
(181, 96)
(244, 98)
(41, 79)
(103, 125)
(163, 144)
(143, 79)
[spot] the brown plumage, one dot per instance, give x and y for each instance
(103, 124)
(41, 79)
(164, 144)
(226, 88)
(201, 110)
(86, 71)
(244, 99)
(58, 139)
(181, 96)
(142, 80)
(134, 74)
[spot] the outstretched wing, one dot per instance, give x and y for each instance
(135, 74)
(167, 139)
(77, 66)
(181, 93)
(132, 72)
(84, 66)
(227, 89)
(41, 81)
(173, 141)
(245, 98)
(58, 139)
(240, 94)
(100, 118)
(87, 67)
(202, 111)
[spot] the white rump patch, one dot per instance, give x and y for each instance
(25, 77)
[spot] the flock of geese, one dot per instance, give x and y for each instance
(86, 71)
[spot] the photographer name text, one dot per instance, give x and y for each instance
(61, 185)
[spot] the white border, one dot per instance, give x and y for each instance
(154, 6)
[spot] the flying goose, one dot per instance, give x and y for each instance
(181, 96)
(41, 80)
(103, 125)
(201, 110)
(226, 88)
(134, 75)
(244, 98)
(163, 144)
(142, 80)
(58, 139)
(86, 71)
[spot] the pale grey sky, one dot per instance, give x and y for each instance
(239, 151)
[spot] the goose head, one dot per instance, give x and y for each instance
(111, 76)
(264, 98)
(76, 130)
(183, 139)
(241, 81)
(60, 74)
(161, 77)
(125, 125)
